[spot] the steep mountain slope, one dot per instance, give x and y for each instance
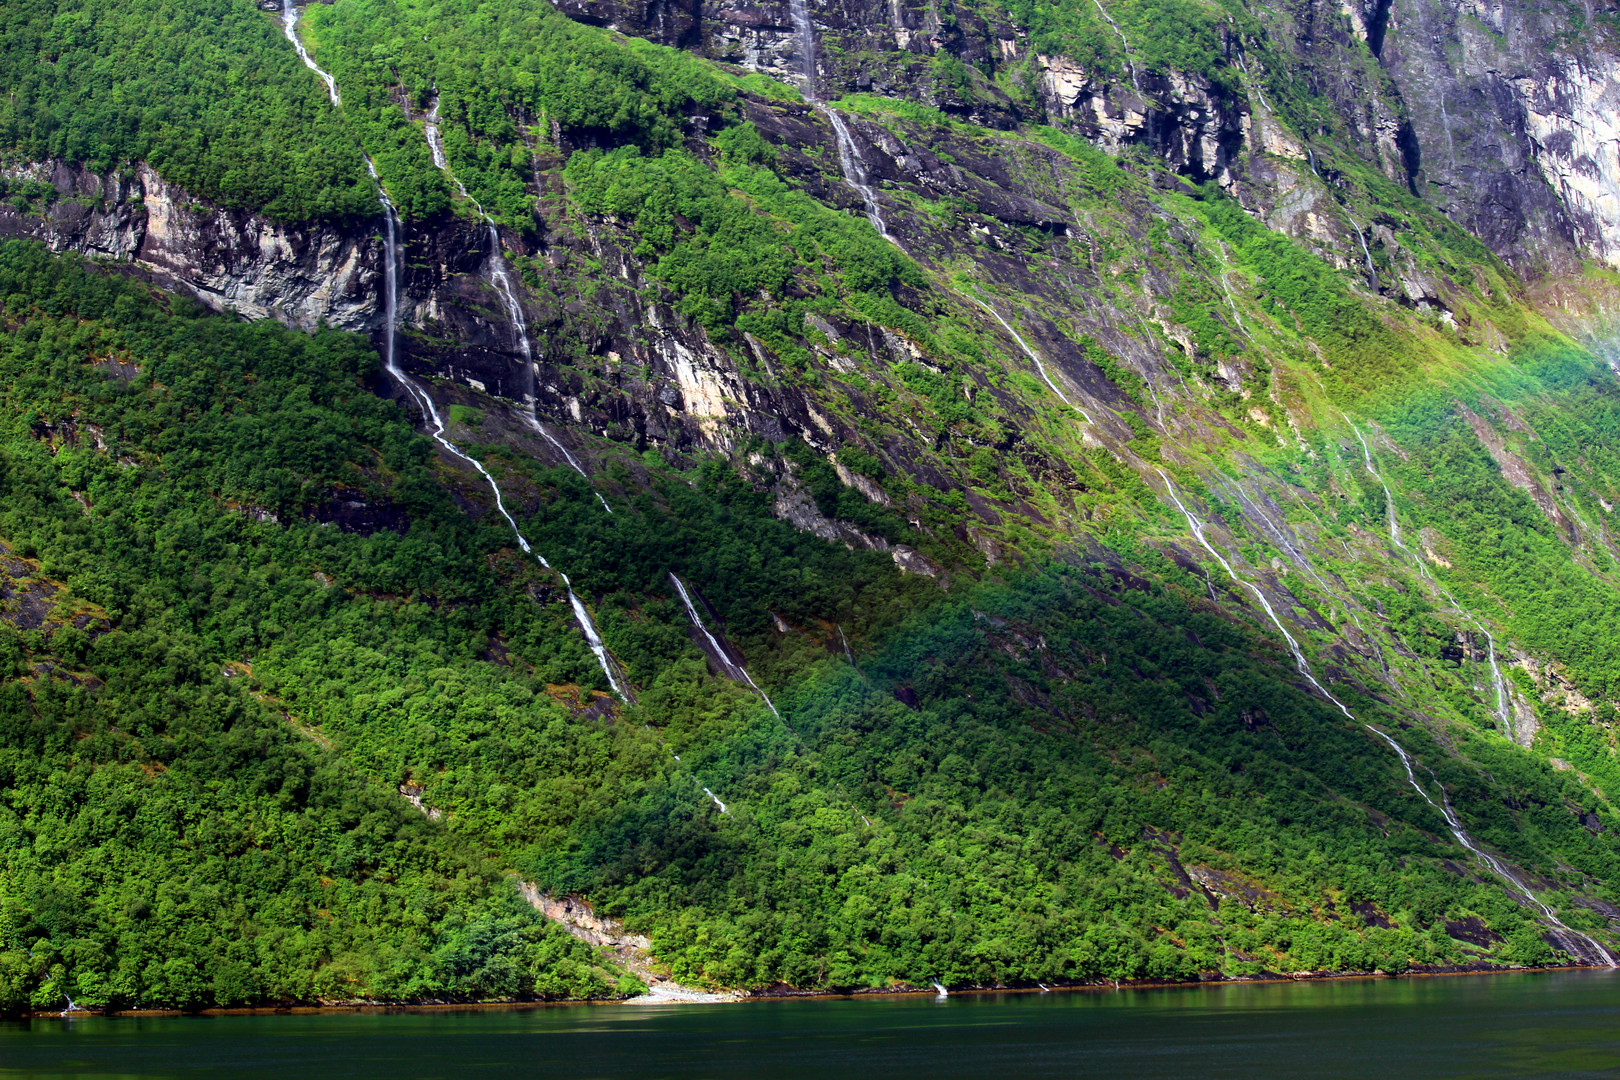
(1047, 492)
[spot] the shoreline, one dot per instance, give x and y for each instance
(788, 994)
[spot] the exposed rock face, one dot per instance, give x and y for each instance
(1528, 161)
(304, 276)
(1504, 114)
(1517, 126)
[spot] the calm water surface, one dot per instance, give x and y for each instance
(1541, 1025)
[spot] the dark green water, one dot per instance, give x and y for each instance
(1542, 1025)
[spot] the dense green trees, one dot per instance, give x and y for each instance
(209, 93)
(166, 837)
(1083, 771)
(1076, 769)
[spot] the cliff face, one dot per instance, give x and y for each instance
(1501, 114)
(1476, 110)
(1514, 110)
(1078, 346)
(303, 276)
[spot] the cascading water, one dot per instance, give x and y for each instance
(1281, 535)
(500, 276)
(849, 161)
(1029, 352)
(849, 158)
(1123, 40)
(1372, 271)
(503, 285)
(737, 672)
(431, 414)
(1423, 572)
(289, 26)
(1565, 935)
(420, 396)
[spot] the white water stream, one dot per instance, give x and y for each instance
(1423, 572)
(1029, 352)
(431, 413)
(289, 26)
(1564, 934)
(500, 277)
(1372, 271)
(1123, 40)
(849, 158)
(737, 672)
(1282, 536)
(849, 161)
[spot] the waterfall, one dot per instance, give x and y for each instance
(431, 414)
(289, 26)
(1445, 123)
(1261, 94)
(503, 285)
(1029, 352)
(500, 277)
(849, 158)
(1131, 67)
(940, 989)
(1281, 535)
(1372, 271)
(1424, 574)
(849, 161)
(800, 10)
(1226, 287)
(1453, 823)
(737, 672)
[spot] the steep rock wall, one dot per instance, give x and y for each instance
(302, 275)
(1517, 124)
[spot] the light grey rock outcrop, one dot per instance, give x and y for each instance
(231, 261)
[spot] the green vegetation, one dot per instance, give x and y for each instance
(507, 75)
(734, 243)
(244, 608)
(1083, 771)
(208, 93)
(167, 837)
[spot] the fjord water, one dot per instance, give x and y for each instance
(1529, 1025)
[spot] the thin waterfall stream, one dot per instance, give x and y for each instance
(849, 158)
(429, 411)
(1123, 40)
(1564, 934)
(587, 625)
(1281, 535)
(289, 26)
(503, 285)
(500, 277)
(1423, 573)
(738, 672)
(1029, 352)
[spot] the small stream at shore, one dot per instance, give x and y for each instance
(1559, 1024)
